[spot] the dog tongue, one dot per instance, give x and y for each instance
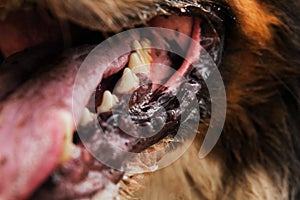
(34, 121)
(37, 117)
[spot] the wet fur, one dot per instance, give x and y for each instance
(258, 154)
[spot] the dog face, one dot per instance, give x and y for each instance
(256, 48)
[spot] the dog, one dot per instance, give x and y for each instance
(258, 153)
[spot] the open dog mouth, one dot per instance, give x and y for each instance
(141, 98)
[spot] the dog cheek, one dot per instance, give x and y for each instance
(27, 28)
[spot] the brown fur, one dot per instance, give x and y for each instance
(105, 15)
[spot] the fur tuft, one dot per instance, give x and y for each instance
(104, 15)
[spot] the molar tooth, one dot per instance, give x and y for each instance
(147, 55)
(143, 69)
(134, 61)
(108, 101)
(86, 118)
(142, 48)
(144, 56)
(128, 82)
(136, 45)
(146, 44)
(137, 66)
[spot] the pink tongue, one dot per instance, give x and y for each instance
(178, 23)
(160, 69)
(34, 120)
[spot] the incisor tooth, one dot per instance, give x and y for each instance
(108, 101)
(86, 118)
(128, 82)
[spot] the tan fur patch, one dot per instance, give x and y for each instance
(255, 20)
(183, 179)
(190, 178)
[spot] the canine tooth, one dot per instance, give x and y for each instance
(128, 82)
(86, 118)
(109, 100)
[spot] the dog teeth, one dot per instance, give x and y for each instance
(128, 82)
(143, 50)
(137, 66)
(86, 118)
(139, 61)
(146, 43)
(134, 60)
(108, 102)
(68, 145)
(143, 69)
(136, 45)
